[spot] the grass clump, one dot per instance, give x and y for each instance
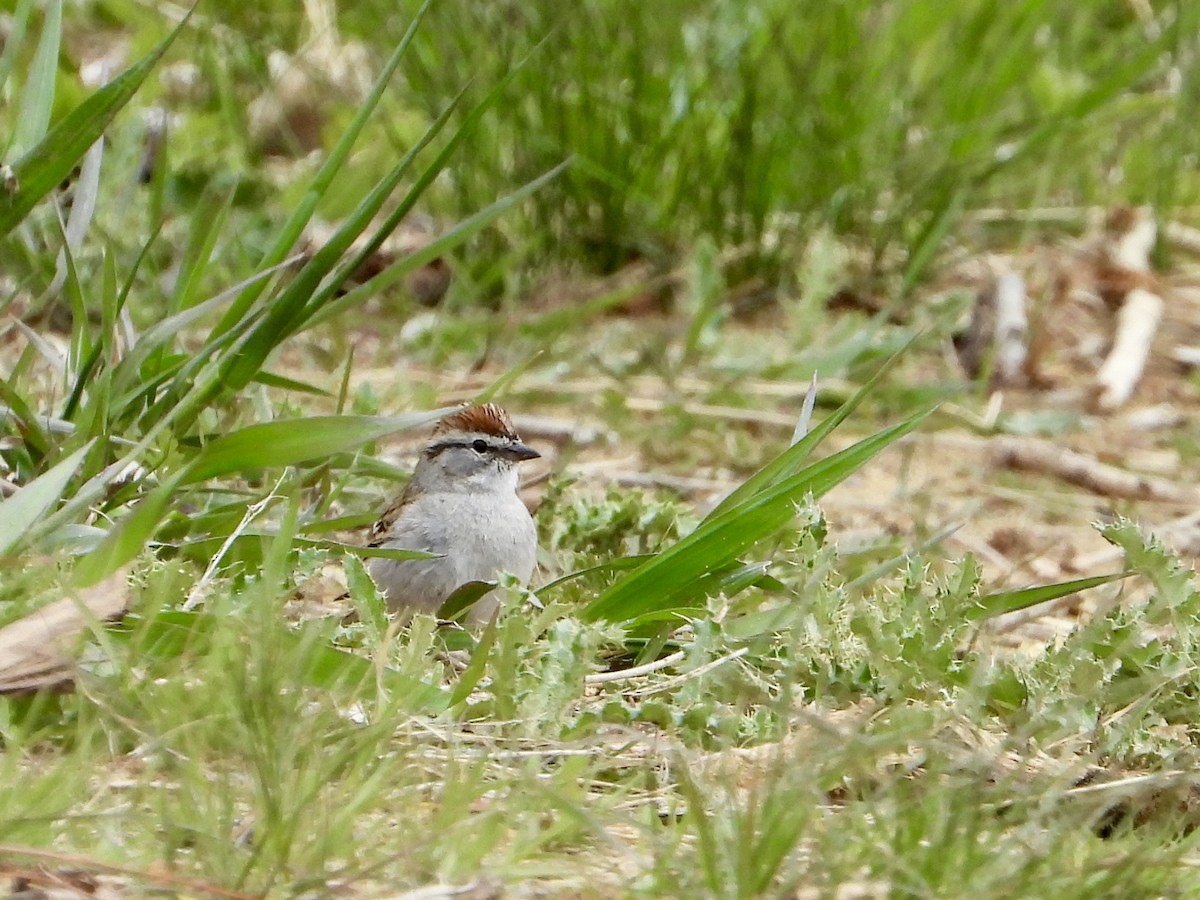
(746, 123)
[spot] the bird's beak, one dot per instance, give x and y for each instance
(518, 452)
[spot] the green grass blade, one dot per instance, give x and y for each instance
(338, 523)
(294, 441)
(506, 378)
(138, 386)
(288, 384)
(453, 238)
(674, 578)
(477, 668)
(931, 238)
(385, 188)
(14, 39)
(20, 512)
(37, 100)
(792, 460)
(1001, 602)
(264, 536)
(463, 598)
(93, 489)
(890, 565)
(290, 233)
(208, 223)
(81, 332)
(620, 564)
(127, 539)
(45, 166)
(110, 310)
(300, 299)
(85, 197)
(33, 427)
(170, 634)
(163, 333)
(432, 171)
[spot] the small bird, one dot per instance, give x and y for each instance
(462, 504)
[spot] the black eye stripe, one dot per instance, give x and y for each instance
(478, 445)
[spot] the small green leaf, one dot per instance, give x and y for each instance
(463, 598)
(364, 596)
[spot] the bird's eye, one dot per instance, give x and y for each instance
(479, 446)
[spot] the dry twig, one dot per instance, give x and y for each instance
(998, 333)
(1049, 458)
(165, 879)
(37, 651)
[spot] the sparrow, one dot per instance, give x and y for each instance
(461, 504)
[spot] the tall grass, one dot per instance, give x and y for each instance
(883, 122)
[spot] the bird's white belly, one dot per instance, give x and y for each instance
(477, 541)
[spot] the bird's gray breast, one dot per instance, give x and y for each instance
(477, 539)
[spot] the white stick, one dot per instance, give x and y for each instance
(196, 595)
(1137, 322)
(1012, 328)
(635, 671)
